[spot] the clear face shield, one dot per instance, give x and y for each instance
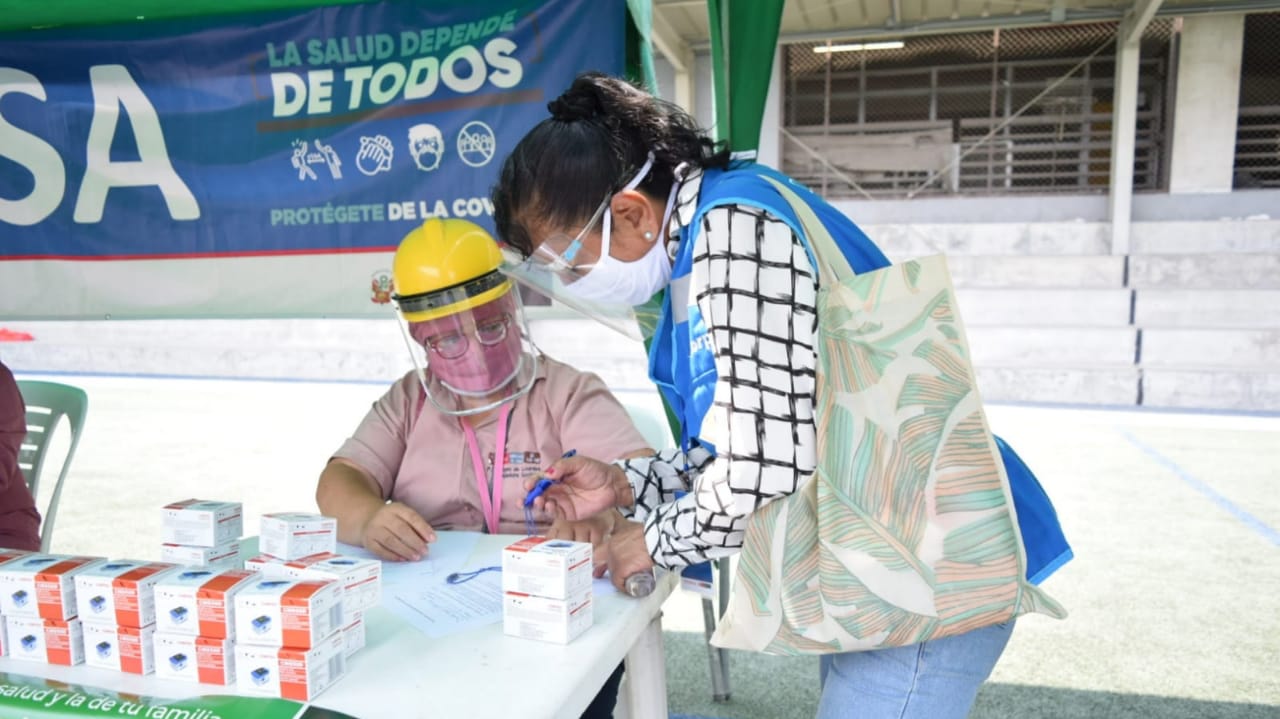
(620, 295)
(476, 358)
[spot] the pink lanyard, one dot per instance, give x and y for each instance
(492, 507)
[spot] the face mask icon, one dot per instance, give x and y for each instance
(426, 144)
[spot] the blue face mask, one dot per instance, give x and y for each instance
(634, 282)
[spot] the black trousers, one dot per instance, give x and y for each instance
(602, 706)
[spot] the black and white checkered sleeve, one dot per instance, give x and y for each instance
(757, 293)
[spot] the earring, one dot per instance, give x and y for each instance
(648, 236)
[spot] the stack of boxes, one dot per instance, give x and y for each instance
(288, 628)
(116, 606)
(195, 623)
(546, 589)
(202, 533)
(38, 602)
(297, 626)
(289, 637)
(6, 556)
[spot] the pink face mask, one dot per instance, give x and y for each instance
(473, 353)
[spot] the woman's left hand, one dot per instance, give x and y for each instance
(595, 530)
(628, 553)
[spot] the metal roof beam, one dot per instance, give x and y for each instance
(670, 44)
(941, 27)
(1137, 19)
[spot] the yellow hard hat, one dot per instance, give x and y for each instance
(446, 266)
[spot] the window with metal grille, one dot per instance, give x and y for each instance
(1257, 161)
(1015, 111)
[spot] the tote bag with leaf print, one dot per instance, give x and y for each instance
(907, 531)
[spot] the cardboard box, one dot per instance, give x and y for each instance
(194, 659)
(42, 585)
(8, 555)
(298, 674)
(53, 641)
(553, 568)
(124, 649)
(120, 592)
(353, 633)
(546, 619)
(199, 602)
(288, 612)
(361, 579)
(223, 556)
(201, 523)
(291, 535)
(268, 566)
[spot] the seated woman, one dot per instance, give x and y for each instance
(450, 444)
(19, 520)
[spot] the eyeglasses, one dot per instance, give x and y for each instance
(453, 345)
(558, 252)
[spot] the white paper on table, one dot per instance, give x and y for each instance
(419, 593)
(438, 608)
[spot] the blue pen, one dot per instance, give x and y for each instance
(543, 483)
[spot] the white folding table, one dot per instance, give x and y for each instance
(478, 673)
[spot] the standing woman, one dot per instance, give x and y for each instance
(619, 195)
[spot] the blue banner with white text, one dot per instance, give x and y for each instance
(328, 130)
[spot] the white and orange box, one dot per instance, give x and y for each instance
(288, 672)
(119, 592)
(42, 585)
(552, 568)
(270, 567)
(52, 641)
(292, 535)
(352, 632)
(223, 556)
(194, 659)
(544, 618)
(361, 579)
(201, 523)
(200, 602)
(124, 649)
(298, 613)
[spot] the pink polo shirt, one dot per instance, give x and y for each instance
(425, 462)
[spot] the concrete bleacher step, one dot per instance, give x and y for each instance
(1044, 307)
(1054, 239)
(1154, 307)
(1013, 271)
(1039, 346)
(1217, 271)
(1113, 385)
(1205, 237)
(1211, 387)
(1217, 348)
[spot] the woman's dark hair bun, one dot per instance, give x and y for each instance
(581, 101)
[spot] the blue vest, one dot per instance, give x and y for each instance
(682, 362)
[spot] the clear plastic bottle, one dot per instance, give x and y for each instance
(640, 584)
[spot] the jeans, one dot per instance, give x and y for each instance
(937, 679)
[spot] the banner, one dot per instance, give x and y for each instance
(35, 698)
(265, 164)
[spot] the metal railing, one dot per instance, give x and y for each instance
(1258, 147)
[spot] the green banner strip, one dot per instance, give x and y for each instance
(36, 698)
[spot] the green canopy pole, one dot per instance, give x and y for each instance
(639, 43)
(744, 36)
